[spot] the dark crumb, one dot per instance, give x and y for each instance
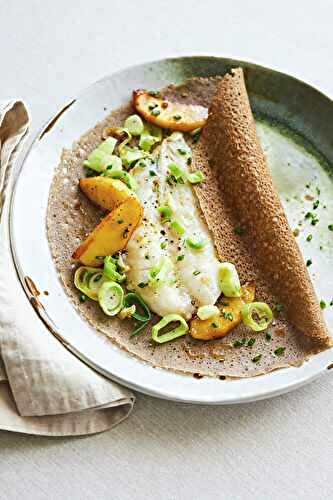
(221, 377)
(197, 375)
(46, 292)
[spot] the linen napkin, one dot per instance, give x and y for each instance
(44, 389)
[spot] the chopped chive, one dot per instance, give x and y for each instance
(237, 343)
(228, 315)
(279, 351)
(268, 336)
(308, 262)
(238, 230)
(155, 112)
(182, 151)
(142, 284)
(330, 227)
(189, 160)
(139, 328)
(309, 237)
(195, 273)
(331, 303)
(120, 221)
(163, 245)
(82, 297)
(152, 173)
(308, 215)
(315, 205)
(180, 257)
(257, 358)
(177, 117)
(251, 341)
(318, 190)
(214, 325)
(322, 304)
(125, 233)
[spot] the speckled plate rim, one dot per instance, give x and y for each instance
(122, 367)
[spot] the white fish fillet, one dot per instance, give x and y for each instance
(193, 278)
(144, 251)
(203, 285)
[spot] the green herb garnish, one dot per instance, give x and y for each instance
(251, 341)
(322, 304)
(308, 262)
(279, 351)
(142, 284)
(238, 230)
(180, 257)
(257, 358)
(228, 315)
(182, 151)
(196, 273)
(138, 329)
(237, 343)
(309, 237)
(214, 325)
(268, 336)
(165, 212)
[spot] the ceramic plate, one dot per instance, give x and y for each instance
(299, 149)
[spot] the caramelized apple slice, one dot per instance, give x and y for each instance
(112, 233)
(170, 115)
(228, 318)
(105, 192)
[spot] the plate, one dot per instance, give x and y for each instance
(281, 98)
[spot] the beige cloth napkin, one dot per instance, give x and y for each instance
(44, 389)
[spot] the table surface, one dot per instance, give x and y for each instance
(279, 448)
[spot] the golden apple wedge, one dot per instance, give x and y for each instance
(229, 316)
(105, 192)
(112, 233)
(167, 114)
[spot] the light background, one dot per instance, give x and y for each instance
(275, 449)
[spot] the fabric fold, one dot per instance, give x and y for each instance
(44, 389)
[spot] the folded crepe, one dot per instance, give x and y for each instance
(240, 194)
(249, 227)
